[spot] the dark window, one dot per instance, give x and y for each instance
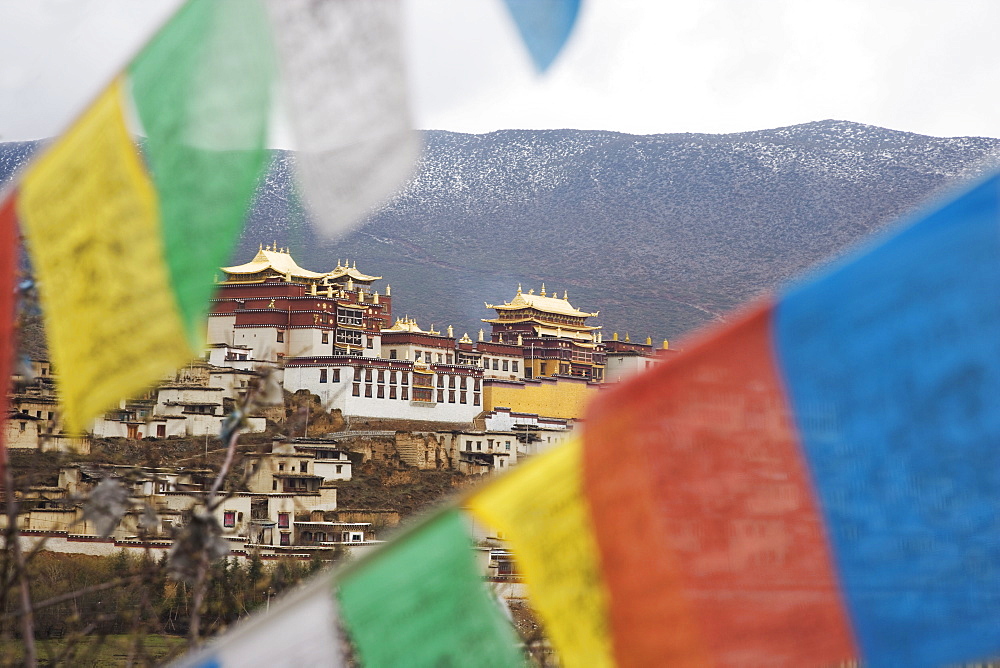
(405, 393)
(341, 466)
(274, 485)
(496, 364)
(303, 466)
(461, 398)
(406, 378)
(381, 376)
(475, 399)
(381, 391)
(336, 375)
(281, 336)
(513, 366)
(392, 377)
(451, 381)
(392, 391)
(325, 337)
(392, 354)
(451, 396)
(505, 365)
(356, 390)
(440, 396)
(462, 385)
(229, 518)
(322, 375)
(368, 389)
(475, 385)
(371, 342)
(368, 375)
(284, 538)
(283, 520)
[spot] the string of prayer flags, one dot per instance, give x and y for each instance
(125, 239)
(421, 601)
(124, 245)
(301, 629)
(344, 88)
(819, 479)
(544, 26)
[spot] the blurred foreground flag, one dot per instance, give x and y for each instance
(421, 601)
(544, 25)
(301, 630)
(819, 481)
(125, 238)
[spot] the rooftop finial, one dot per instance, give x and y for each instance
(566, 295)
(518, 288)
(354, 265)
(261, 246)
(628, 339)
(666, 344)
(451, 332)
(615, 337)
(520, 339)
(543, 290)
(649, 340)
(481, 334)
(388, 290)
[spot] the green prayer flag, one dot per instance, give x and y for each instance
(202, 90)
(421, 602)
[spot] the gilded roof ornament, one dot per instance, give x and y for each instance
(481, 335)
(542, 293)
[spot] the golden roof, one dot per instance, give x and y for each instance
(278, 260)
(541, 302)
(351, 272)
(539, 321)
(405, 325)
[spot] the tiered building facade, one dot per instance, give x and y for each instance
(333, 334)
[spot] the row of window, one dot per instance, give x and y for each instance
(231, 517)
(489, 445)
(419, 394)
(507, 365)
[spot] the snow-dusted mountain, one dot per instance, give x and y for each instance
(661, 233)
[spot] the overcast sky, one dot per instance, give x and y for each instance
(641, 66)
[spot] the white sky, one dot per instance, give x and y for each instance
(641, 66)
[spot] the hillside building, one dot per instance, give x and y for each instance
(554, 336)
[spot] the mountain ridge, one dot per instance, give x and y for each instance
(661, 233)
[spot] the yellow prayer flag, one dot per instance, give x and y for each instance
(112, 319)
(540, 508)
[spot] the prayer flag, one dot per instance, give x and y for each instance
(541, 510)
(544, 25)
(301, 629)
(421, 602)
